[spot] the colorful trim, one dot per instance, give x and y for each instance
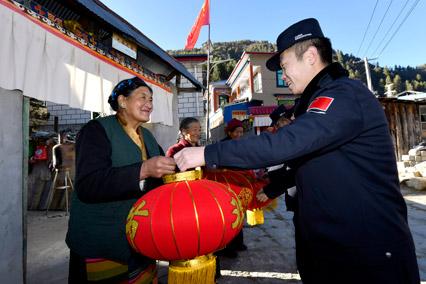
(100, 270)
(79, 42)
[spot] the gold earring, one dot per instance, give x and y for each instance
(123, 106)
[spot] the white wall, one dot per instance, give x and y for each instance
(166, 135)
(11, 155)
(67, 115)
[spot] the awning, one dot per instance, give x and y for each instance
(261, 121)
(49, 66)
(119, 23)
(261, 110)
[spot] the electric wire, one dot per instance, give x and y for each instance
(403, 21)
(378, 28)
(396, 19)
(368, 26)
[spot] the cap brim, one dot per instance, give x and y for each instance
(273, 63)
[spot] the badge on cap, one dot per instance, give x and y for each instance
(320, 104)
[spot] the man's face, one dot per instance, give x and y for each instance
(295, 72)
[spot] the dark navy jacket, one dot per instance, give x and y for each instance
(346, 177)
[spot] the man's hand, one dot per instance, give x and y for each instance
(189, 158)
(261, 196)
(157, 167)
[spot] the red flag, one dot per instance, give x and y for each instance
(202, 20)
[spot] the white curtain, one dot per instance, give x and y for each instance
(47, 67)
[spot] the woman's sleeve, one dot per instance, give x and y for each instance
(96, 179)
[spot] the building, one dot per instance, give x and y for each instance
(68, 53)
(191, 104)
(253, 92)
(251, 80)
(406, 115)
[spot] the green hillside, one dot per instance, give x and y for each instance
(402, 78)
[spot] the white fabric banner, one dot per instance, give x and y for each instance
(47, 67)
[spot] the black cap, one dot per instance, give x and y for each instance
(281, 111)
(300, 31)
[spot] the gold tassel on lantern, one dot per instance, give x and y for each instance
(272, 206)
(255, 217)
(201, 269)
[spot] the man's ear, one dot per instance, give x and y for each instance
(311, 55)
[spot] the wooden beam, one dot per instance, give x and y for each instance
(171, 75)
(188, 90)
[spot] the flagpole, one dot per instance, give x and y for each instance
(208, 83)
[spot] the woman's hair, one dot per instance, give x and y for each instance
(184, 125)
(125, 88)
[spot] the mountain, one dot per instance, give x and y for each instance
(401, 78)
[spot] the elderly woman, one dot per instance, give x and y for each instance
(117, 161)
(234, 130)
(189, 135)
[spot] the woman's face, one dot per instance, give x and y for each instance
(193, 133)
(138, 105)
(237, 133)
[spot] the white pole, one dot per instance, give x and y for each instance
(367, 73)
(208, 89)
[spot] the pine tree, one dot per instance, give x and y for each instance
(397, 82)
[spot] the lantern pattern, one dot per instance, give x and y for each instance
(184, 219)
(243, 183)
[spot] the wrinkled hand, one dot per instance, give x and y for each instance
(189, 158)
(261, 196)
(157, 167)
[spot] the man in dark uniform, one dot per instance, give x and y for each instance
(352, 216)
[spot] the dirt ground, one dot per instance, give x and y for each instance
(270, 257)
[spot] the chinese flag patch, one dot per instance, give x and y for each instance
(321, 104)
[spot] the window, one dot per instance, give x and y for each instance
(280, 82)
(223, 99)
(257, 82)
(422, 110)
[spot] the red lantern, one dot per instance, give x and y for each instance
(244, 183)
(184, 219)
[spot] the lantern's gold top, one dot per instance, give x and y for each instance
(183, 176)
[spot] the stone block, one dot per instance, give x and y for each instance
(417, 183)
(414, 152)
(405, 157)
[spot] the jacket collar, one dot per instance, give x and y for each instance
(185, 143)
(330, 73)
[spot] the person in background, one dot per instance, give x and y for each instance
(278, 185)
(63, 154)
(351, 213)
(282, 181)
(234, 130)
(117, 161)
(189, 135)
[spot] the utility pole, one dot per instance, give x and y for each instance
(367, 72)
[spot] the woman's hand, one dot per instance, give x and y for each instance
(261, 196)
(157, 167)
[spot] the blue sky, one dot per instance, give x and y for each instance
(168, 22)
